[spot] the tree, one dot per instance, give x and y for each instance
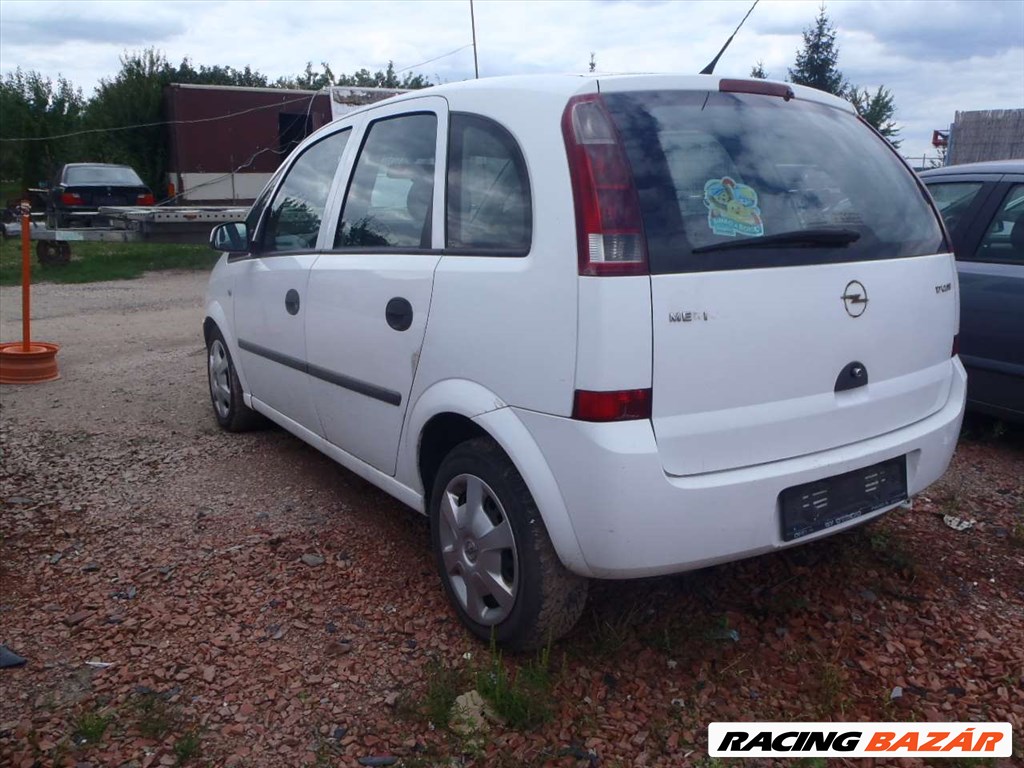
(309, 80)
(386, 79)
(758, 71)
(218, 75)
(816, 62)
(37, 116)
(816, 66)
(127, 114)
(312, 80)
(878, 109)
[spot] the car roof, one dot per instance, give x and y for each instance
(96, 165)
(569, 85)
(991, 166)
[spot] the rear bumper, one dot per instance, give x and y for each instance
(85, 214)
(630, 519)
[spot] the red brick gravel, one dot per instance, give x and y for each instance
(151, 570)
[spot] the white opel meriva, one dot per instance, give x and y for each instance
(597, 326)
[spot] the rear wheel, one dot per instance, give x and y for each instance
(225, 392)
(52, 253)
(493, 553)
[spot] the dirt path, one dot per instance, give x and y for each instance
(259, 606)
(127, 348)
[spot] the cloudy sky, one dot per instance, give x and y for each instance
(937, 56)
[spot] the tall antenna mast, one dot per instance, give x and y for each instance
(710, 68)
(472, 20)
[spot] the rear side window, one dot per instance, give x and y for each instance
(713, 170)
(954, 199)
(1004, 240)
(489, 208)
(297, 211)
(390, 197)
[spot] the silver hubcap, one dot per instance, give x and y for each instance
(220, 378)
(479, 550)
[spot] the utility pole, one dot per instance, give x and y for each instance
(472, 20)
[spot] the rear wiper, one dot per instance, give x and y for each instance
(801, 238)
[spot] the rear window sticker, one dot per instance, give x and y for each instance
(732, 208)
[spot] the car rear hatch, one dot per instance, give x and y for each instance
(96, 185)
(801, 293)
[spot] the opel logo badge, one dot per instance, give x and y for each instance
(855, 298)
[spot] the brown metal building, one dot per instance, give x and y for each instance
(226, 141)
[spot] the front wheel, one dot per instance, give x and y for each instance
(230, 409)
(493, 553)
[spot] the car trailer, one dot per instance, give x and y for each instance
(152, 224)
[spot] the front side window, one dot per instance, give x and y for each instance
(252, 219)
(297, 211)
(1004, 240)
(738, 181)
(488, 189)
(390, 197)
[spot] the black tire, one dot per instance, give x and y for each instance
(53, 253)
(546, 599)
(229, 408)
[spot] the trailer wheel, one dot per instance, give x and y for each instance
(53, 253)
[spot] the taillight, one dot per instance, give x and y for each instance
(623, 405)
(71, 198)
(609, 229)
(145, 199)
(956, 345)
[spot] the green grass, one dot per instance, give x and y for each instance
(92, 262)
(89, 727)
(1017, 529)
(187, 748)
(893, 552)
(155, 718)
(444, 685)
(523, 699)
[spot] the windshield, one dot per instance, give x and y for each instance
(713, 169)
(120, 175)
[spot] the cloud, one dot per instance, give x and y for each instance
(29, 25)
(935, 56)
(70, 30)
(950, 32)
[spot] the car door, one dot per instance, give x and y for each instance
(369, 293)
(991, 271)
(270, 284)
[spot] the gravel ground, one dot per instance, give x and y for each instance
(186, 596)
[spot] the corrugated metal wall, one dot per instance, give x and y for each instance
(994, 134)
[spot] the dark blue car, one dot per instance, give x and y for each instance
(983, 205)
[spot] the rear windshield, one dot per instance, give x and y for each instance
(102, 174)
(714, 170)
